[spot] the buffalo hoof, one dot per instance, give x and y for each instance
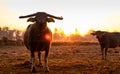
(33, 70)
(40, 65)
(46, 70)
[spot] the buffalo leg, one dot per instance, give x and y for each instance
(39, 57)
(46, 69)
(106, 52)
(33, 62)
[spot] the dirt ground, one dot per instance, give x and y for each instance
(63, 59)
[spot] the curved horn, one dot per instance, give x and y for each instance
(27, 16)
(59, 18)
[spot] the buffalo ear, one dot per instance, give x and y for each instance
(50, 20)
(93, 33)
(31, 20)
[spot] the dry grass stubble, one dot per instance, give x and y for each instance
(72, 59)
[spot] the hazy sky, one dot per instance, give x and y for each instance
(81, 14)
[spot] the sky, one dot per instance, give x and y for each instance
(81, 14)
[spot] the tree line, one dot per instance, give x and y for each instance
(10, 34)
(58, 35)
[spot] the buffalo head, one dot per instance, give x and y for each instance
(98, 34)
(41, 17)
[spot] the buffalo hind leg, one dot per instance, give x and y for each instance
(39, 57)
(33, 62)
(102, 50)
(46, 68)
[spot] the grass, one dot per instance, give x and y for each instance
(74, 43)
(71, 58)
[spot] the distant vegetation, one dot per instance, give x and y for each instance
(10, 37)
(10, 34)
(58, 36)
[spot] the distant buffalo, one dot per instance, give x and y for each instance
(107, 40)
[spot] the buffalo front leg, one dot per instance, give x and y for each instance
(106, 52)
(39, 57)
(32, 62)
(46, 68)
(102, 50)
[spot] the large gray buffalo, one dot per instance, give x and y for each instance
(107, 40)
(38, 37)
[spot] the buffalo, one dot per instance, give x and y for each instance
(38, 37)
(107, 40)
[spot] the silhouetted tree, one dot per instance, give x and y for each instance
(59, 35)
(10, 34)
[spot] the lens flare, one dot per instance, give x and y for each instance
(48, 37)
